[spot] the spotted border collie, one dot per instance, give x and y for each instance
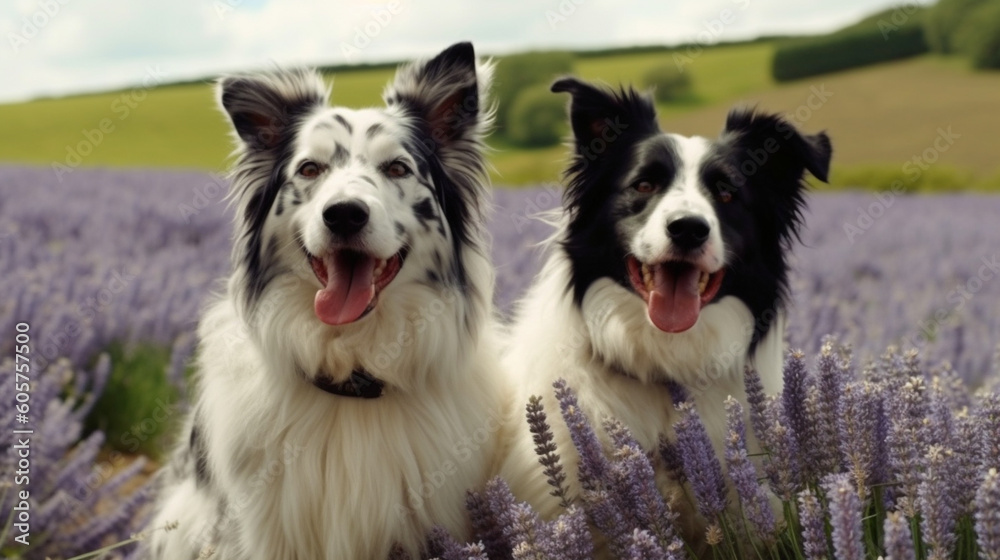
(669, 271)
(346, 397)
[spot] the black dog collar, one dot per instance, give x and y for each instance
(360, 384)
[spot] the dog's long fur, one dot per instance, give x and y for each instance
(584, 320)
(269, 465)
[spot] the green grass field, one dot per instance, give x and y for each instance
(880, 117)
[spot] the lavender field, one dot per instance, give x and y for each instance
(109, 258)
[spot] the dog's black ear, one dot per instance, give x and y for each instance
(447, 93)
(772, 145)
(600, 116)
(263, 107)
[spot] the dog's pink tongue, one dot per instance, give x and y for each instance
(674, 303)
(349, 288)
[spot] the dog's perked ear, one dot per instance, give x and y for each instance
(774, 145)
(446, 94)
(599, 116)
(263, 108)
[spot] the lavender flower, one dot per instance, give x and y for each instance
(69, 484)
(937, 503)
(673, 465)
(485, 510)
(608, 518)
(758, 405)
(940, 423)
(523, 530)
(700, 463)
(988, 516)
(442, 545)
(857, 420)
(793, 405)
(967, 453)
(811, 517)
(645, 547)
(634, 482)
(988, 417)
(782, 467)
(567, 537)
(753, 499)
(474, 551)
(845, 517)
(593, 464)
(545, 448)
(907, 440)
(898, 540)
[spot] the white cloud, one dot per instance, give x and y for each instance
(55, 47)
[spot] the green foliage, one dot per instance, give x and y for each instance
(944, 22)
(669, 83)
(889, 35)
(519, 71)
(537, 117)
(981, 36)
(137, 406)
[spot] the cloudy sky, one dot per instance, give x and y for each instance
(55, 47)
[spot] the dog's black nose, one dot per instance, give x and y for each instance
(346, 218)
(688, 233)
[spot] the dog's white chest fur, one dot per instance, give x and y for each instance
(313, 475)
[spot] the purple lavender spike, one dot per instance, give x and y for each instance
(811, 517)
(757, 401)
(700, 463)
(967, 453)
(845, 517)
(938, 509)
(645, 547)
(593, 464)
(941, 424)
(880, 473)
(608, 519)
(898, 540)
(442, 545)
(567, 537)
(793, 404)
(633, 486)
(988, 417)
(857, 422)
(782, 466)
(988, 516)
(485, 523)
(523, 529)
(829, 385)
(474, 551)
(753, 499)
(673, 465)
(545, 448)
(908, 440)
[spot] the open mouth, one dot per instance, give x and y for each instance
(352, 282)
(674, 291)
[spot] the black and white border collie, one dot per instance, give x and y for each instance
(669, 270)
(346, 376)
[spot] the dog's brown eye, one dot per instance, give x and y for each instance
(725, 196)
(644, 187)
(397, 170)
(309, 170)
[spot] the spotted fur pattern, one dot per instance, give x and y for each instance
(268, 465)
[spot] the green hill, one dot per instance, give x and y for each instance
(879, 117)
